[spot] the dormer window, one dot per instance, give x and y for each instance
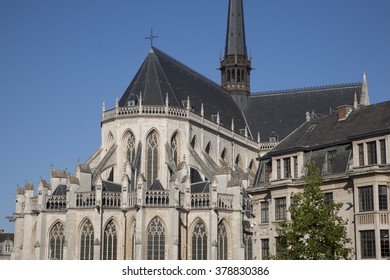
(273, 137)
(131, 103)
(285, 168)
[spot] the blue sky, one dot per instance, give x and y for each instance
(60, 59)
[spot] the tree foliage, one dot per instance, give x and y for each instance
(315, 231)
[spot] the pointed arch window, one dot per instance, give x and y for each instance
(86, 241)
(110, 242)
(193, 143)
(175, 147)
(199, 241)
(238, 162)
(130, 148)
(156, 240)
(152, 157)
(110, 141)
(209, 149)
(224, 155)
(222, 242)
(252, 166)
(57, 242)
(132, 232)
(248, 243)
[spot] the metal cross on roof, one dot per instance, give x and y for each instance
(151, 37)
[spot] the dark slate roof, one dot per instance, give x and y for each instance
(60, 190)
(156, 186)
(161, 74)
(326, 131)
(200, 187)
(235, 34)
(283, 111)
(111, 186)
(4, 236)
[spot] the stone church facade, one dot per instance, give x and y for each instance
(177, 173)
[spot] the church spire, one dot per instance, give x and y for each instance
(235, 66)
(235, 34)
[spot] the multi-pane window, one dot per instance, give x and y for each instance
(328, 198)
(264, 212)
(366, 199)
(330, 161)
(280, 247)
(278, 170)
(7, 248)
(110, 242)
(152, 158)
(371, 153)
(361, 155)
(199, 241)
(248, 243)
(222, 242)
(295, 159)
(287, 167)
(268, 170)
(385, 249)
(57, 240)
(156, 240)
(367, 241)
(264, 249)
(280, 208)
(382, 192)
(382, 145)
(86, 241)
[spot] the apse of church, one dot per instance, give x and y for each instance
(173, 175)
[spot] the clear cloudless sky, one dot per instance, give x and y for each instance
(60, 59)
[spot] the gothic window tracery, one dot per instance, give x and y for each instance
(199, 241)
(110, 242)
(86, 241)
(130, 151)
(57, 240)
(152, 157)
(156, 240)
(222, 242)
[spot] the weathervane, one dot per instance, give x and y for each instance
(151, 37)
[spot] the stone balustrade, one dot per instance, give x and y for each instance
(157, 198)
(56, 202)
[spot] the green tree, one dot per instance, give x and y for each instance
(315, 231)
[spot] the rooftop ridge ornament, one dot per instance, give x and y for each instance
(151, 37)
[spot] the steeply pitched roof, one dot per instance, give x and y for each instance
(283, 111)
(369, 120)
(60, 190)
(162, 75)
(4, 236)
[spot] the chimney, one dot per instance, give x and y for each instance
(343, 111)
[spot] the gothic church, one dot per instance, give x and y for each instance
(178, 158)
